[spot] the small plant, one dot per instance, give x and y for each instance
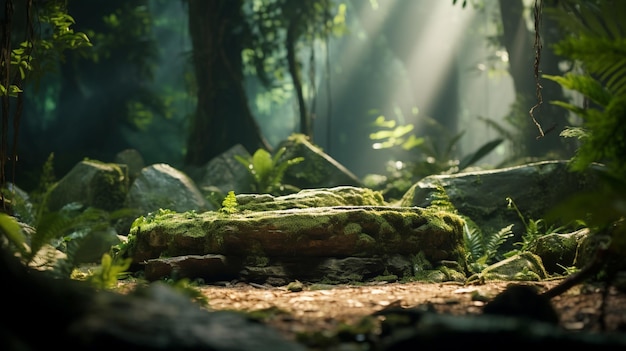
(482, 250)
(189, 289)
(424, 155)
(533, 229)
(229, 205)
(268, 170)
(106, 276)
(13, 232)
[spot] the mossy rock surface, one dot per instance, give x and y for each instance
(343, 231)
(327, 197)
(91, 183)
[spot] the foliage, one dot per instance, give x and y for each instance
(482, 250)
(124, 36)
(106, 276)
(533, 229)
(46, 181)
(189, 289)
(268, 170)
(277, 30)
(268, 22)
(229, 205)
(424, 156)
(33, 54)
(13, 232)
(597, 44)
(40, 54)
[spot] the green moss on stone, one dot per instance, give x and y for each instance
(352, 228)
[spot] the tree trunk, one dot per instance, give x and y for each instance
(222, 118)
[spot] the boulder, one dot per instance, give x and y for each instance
(560, 251)
(133, 161)
(161, 186)
(92, 184)
(223, 174)
(535, 189)
(318, 170)
(300, 239)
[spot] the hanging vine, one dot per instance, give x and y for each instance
(538, 9)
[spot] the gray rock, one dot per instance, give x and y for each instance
(525, 266)
(224, 173)
(160, 186)
(133, 160)
(559, 251)
(94, 244)
(535, 188)
(318, 170)
(208, 267)
(93, 184)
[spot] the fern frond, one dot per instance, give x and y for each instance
(494, 241)
(584, 84)
(473, 241)
(53, 225)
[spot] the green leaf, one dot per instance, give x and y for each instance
(480, 153)
(12, 230)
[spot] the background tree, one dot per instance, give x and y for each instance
(270, 35)
(93, 99)
(222, 118)
(34, 38)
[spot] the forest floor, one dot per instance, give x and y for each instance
(322, 310)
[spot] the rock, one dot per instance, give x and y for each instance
(302, 240)
(430, 330)
(337, 196)
(94, 244)
(209, 267)
(223, 174)
(535, 189)
(93, 184)
(318, 170)
(156, 317)
(559, 251)
(20, 203)
(522, 301)
(525, 266)
(133, 161)
(160, 186)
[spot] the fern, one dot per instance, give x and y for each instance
(533, 230)
(597, 43)
(441, 201)
(229, 205)
(106, 276)
(493, 242)
(267, 170)
(482, 249)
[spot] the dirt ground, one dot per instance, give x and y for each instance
(325, 308)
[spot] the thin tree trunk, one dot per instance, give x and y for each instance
(222, 118)
(296, 76)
